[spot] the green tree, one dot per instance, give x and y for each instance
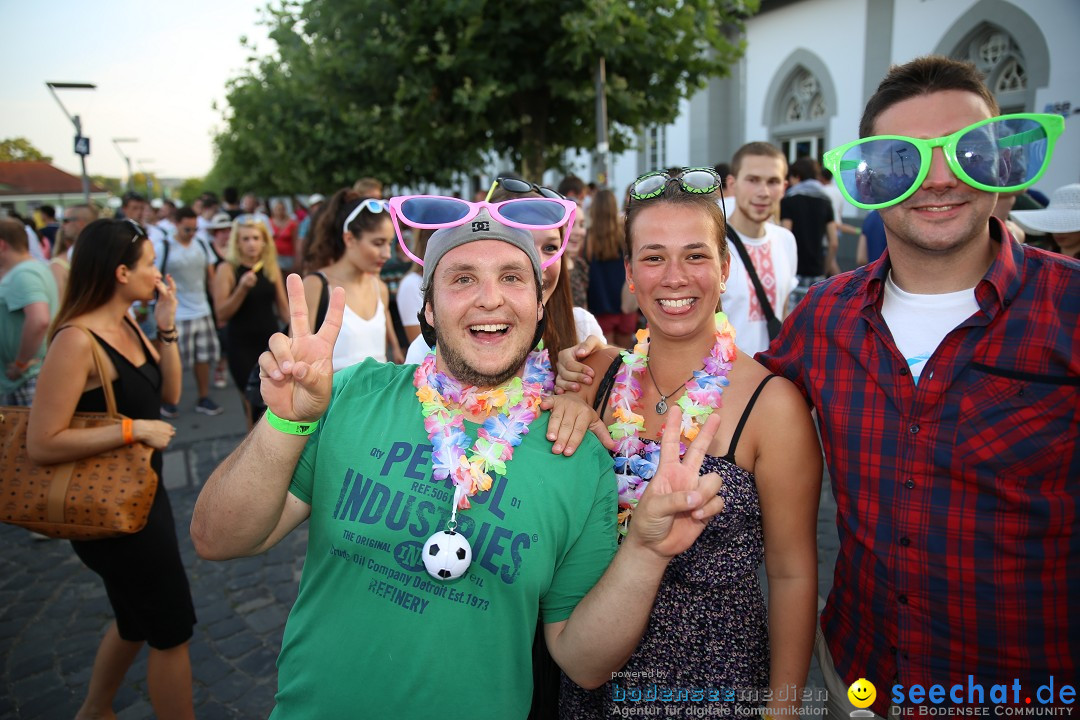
(413, 91)
(189, 190)
(20, 150)
(113, 185)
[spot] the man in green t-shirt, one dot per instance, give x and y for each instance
(374, 631)
(27, 304)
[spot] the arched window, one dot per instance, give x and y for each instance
(800, 122)
(999, 57)
(1005, 44)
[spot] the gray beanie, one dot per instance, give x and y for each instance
(482, 227)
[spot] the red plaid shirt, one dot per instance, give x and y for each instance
(958, 500)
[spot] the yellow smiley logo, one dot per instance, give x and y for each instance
(862, 693)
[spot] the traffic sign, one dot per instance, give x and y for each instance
(82, 145)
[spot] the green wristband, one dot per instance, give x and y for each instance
(288, 426)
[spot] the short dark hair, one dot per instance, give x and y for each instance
(131, 196)
(231, 195)
(805, 168)
(922, 76)
(757, 148)
(185, 213)
(723, 170)
(48, 211)
(571, 185)
(14, 234)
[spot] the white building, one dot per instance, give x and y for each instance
(811, 65)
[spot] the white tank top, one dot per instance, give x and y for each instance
(360, 338)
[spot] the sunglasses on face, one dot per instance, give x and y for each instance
(1002, 154)
(697, 181)
(432, 212)
(369, 204)
(515, 185)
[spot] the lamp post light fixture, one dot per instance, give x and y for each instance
(130, 177)
(82, 144)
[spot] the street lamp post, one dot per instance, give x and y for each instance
(82, 145)
(130, 177)
(145, 170)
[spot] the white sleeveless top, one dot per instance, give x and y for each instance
(360, 338)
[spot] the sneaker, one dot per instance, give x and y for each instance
(208, 407)
(219, 377)
(169, 411)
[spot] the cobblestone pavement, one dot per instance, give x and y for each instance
(53, 610)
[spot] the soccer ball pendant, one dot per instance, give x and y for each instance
(447, 555)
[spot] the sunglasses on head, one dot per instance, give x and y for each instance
(515, 185)
(139, 232)
(1000, 154)
(369, 204)
(697, 181)
(432, 212)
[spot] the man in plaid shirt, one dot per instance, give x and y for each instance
(946, 378)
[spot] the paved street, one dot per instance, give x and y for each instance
(53, 610)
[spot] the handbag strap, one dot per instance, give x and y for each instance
(733, 236)
(99, 363)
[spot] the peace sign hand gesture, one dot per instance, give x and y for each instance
(678, 503)
(297, 372)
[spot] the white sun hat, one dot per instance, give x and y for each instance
(1062, 215)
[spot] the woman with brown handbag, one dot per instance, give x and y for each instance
(113, 267)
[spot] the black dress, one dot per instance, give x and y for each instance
(144, 576)
(249, 330)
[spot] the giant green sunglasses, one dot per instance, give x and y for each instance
(1000, 154)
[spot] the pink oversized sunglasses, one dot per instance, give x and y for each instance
(431, 212)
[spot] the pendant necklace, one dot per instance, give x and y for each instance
(662, 406)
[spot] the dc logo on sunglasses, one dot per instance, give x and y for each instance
(481, 226)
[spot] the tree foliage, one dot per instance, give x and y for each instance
(189, 190)
(20, 150)
(413, 91)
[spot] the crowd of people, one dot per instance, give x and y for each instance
(687, 367)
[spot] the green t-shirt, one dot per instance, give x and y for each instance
(371, 633)
(27, 283)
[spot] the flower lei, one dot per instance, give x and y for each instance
(632, 468)
(519, 404)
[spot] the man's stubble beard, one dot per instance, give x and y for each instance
(458, 367)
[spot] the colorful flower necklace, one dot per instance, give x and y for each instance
(636, 459)
(447, 554)
(518, 402)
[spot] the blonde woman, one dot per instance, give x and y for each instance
(249, 295)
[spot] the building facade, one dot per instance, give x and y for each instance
(810, 66)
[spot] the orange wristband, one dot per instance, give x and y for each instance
(127, 426)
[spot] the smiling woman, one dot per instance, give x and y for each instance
(708, 627)
(352, 242)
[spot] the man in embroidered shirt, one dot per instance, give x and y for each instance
(372, 634)
(757, 183)
(945, 376)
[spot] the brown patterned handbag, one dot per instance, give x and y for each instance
(101, 496)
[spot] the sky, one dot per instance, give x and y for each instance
(158, 68)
